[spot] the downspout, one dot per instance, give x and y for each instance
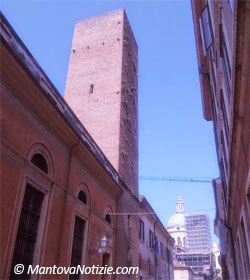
(169, 262)
(155, 251)
(65, 198)
(115, 229)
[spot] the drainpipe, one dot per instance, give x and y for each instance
(154, 250)
(169, 262)
(115, 230)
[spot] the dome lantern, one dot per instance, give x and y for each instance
(179, 205)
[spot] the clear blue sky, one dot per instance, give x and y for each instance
(174, 139)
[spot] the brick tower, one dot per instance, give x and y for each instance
(101, 89)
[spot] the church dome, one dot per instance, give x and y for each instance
(176, 220)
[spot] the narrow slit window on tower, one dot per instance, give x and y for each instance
(39, 161)
(91, 89)
(108, 218)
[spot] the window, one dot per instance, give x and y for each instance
(244, 248)
(179, 241)
(206, 30)
(248, 197)
(82, 197)
(76, 256)
(161, 250)
(151, 239)
(27, 230)
(141, 230)
(184, 242)
(224, 113)
(213, 104)
(129, 222)
(223, 178)
(91, 89)
(225, 61)
(39, 161)
(224, 151)
(170, 257)
(166, 255)
(108, 218)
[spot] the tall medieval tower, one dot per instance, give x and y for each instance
(102, 86)
(101, 89)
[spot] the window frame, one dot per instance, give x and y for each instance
(227, 71)
(26, 235)
(224, 114)
(206, 33)
(108, 211)
(31, 178)
(84, 187)
(142, 230)
(151, 239)
(39, 148)
(83, 242)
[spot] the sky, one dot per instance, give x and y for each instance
(174, 138)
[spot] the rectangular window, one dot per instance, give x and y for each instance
(151, 239)
(161, 250)
(216, 138)
(224, 114)
(91, 88)
(170, 257)
(206, 30)
(223, 178)
(27, 231)
(156, 245)
(129, 222)
(244, 248)
(225, 61)
(76, 256)
(213, 104)
(141, 230)
(224, 151)
(248, 198)
(166, 255)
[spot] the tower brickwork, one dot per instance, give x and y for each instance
(101, 89)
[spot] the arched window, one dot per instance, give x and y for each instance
(184, 242)
(39, 161)
(108, 218)
(82, 197)
(179, 241)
